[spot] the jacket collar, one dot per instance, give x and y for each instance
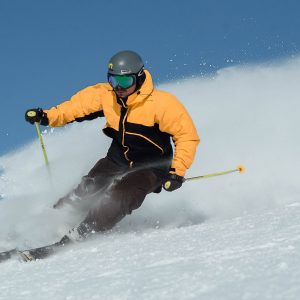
(141, 94)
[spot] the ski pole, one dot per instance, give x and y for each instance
(240, 169)
(33, 114)
(42, 142)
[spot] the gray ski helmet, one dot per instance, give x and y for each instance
(125, 62)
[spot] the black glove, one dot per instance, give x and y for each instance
(173, 182)
(36, 115)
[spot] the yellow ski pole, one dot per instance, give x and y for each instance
(33, 114)
(240, 169)
(42, 142)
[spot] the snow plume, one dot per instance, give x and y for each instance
(245, 115)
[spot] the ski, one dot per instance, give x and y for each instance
(43, 252)
(36, 253)
(6, 255)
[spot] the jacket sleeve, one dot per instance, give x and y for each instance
(174, 119)
(85, 104)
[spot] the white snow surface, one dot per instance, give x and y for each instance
(229, 237)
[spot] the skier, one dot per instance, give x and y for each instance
(141, 121)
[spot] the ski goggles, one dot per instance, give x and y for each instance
(122, 81)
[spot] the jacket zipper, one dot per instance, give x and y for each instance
(123, 134)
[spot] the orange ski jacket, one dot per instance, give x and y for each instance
(141, 127)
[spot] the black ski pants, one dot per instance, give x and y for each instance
(110, 192)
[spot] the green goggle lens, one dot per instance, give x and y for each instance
(123, 81)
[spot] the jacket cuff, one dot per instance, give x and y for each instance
(172, 170)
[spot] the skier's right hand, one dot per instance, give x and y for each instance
(36, 115)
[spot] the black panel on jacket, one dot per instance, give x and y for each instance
(91, 116)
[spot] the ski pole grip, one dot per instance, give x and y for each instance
(167, 185)
(31, 113)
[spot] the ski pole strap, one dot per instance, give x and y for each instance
(240, 169)
(41, 142)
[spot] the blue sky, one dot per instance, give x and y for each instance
(51, 49)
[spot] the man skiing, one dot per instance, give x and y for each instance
(141, 122)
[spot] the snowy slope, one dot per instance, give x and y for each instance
(249, 257)
(231, 237)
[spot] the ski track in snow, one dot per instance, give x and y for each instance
(230, 237)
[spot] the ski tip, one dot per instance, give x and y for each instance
(241, 169)
(6, 255)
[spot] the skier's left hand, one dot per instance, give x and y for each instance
(173, 182)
